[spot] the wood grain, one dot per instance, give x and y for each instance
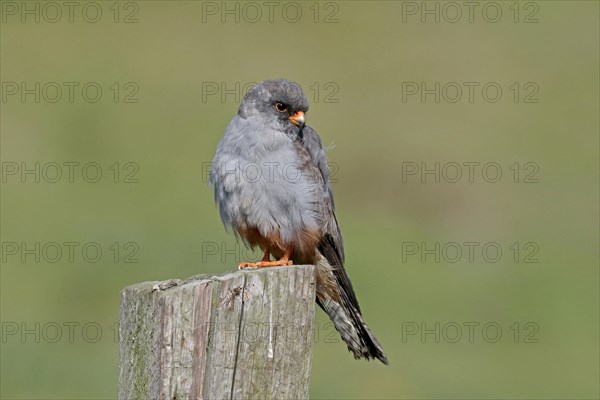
(242, 335)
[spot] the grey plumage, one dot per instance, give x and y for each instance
(272, 186)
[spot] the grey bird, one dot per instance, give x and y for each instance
(272, 186)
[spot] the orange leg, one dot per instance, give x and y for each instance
(265, 262)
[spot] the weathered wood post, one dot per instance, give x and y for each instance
(243, 335)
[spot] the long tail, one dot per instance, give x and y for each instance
(336, 297)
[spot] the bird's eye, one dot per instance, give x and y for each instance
(281, 107)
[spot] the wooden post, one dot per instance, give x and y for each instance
(243, 335)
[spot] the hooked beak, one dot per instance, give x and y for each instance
(297, 118)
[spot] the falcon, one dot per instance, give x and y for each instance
(272, 187)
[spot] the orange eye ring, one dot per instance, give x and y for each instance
(281, 107)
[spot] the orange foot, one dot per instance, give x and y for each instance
(265, 262)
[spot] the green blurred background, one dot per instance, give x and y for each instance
(358, 62)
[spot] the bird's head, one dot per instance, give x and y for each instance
(280, 103)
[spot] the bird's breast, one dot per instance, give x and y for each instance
(263, 182)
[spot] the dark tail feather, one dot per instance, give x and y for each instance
(357, 335)
(347, 318)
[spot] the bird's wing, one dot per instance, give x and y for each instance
(313, 145)
(331, 245)
(336, 295)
